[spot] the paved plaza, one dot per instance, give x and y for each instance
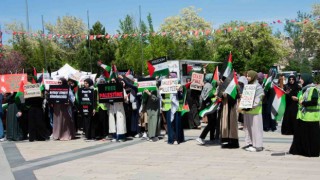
(140, 159)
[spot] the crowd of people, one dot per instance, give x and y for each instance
(145, 114)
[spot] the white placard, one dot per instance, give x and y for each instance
(247, 96)
(169, 86)
(32, 90)
(197, 80)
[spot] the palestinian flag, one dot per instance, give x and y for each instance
(42, 86)
(278, 104)
(210, 109)
(268, 83)
(4, 106)
(158, 67)
(109, 71)
(19, 98)
(185, 107)
(34, 78)
(215, 80)
(229, 67)
(232, 83)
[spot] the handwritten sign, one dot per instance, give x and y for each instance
(247, 97)
(11, 82)
(169, 86)
(58, 94)
(111, 92)
(197, 80)
(32, 90)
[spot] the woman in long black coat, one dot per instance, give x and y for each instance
(290, 117)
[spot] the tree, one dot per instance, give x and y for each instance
(252, 45)
(100, 49)
(12, 62)
(186, 27)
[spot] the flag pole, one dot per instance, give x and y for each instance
(44, 45)
(27, 16)
(141, 43)
(89, 41)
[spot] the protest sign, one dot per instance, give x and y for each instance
(197, 81)
(147, 83)
(58, 94)
(247, 96)
(169, 86)
(32, 90)
(86, 97)
(110, 92)
(48, 82)
(11, 82)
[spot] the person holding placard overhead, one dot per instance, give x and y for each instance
(252, 117)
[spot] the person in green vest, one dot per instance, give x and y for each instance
(172, 106)
(252, 117)
(306, 137)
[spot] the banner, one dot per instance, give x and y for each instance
(169, 86)
(58, 94)
(48, 82)
(147, 83)
(111, 92)
(197, 80)
(158, 67)
(247, 96)
(10, 82)
(86, 97)
(32, 90)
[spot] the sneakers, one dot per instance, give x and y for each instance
(253, 149)
(144, 135)
(201, 141)
(154, 139)
(245, 147)
(114, 140)
(139, 135)
(2, 139)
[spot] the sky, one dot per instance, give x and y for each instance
(109, 12)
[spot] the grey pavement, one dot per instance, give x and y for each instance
(140, 159)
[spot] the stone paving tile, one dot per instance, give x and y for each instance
(158, 160)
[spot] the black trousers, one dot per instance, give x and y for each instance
(211, 127)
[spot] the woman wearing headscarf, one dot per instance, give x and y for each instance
(63, 126)
(101, 114)
(290, 116)
(229, 122)
(88, 111)
(170, 107)
(307, 133)
(117, 117)
(206, 101)
(152, 107)
(252, 117)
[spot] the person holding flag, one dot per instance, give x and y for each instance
(207, 100)
(306, 138)
(229, 122)
(252, 117)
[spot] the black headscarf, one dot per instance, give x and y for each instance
(64, 81)
(89, 81)
(307, 79)
(295, 83)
